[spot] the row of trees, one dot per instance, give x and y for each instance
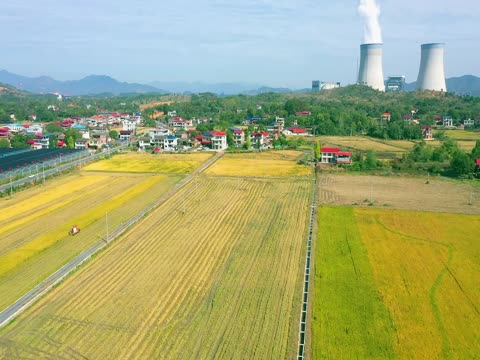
(347, 111)
(448, 159)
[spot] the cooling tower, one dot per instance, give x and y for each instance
(370, 72)
(432, 74)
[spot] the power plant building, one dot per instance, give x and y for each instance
(329, 85)
(315, 85)
(395, 84)
(370, 72)
(431, 75)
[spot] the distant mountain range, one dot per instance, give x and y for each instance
(90, 85)
(463, 85)
(101, 84)
(233, 88)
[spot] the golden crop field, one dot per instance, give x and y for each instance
(266, 163)
(150, 163)
(402, 144)
(215, 272)
(396, 284)
(34, 224)
(363, 143)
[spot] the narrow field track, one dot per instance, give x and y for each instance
(214, 272)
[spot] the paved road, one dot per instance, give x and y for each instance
(9, 313)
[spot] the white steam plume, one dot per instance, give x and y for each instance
(370, 10)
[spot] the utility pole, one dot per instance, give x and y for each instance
(371, 191)
(11, 186)
(106, 223)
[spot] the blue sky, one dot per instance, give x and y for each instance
(272, 42)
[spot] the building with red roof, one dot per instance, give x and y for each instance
(331, 155)
(427, 132)
(238, 137)
(218, 140)
(295, 130)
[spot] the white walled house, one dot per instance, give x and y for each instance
(129, 125)
(335, 156)
(238, 137)
(218, 140)
(161, 131)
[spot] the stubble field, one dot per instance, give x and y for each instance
(400, 192)
(262, 164)
(34, 224)
(151, 163)
(215, 272)
(396, 284)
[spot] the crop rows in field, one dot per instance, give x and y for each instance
(150, 163)
(34, 240)
(264, 164)
(396, 284)
(214, 272)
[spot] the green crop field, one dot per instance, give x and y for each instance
(463, 134)
(396, 284)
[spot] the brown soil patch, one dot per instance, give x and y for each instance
(400, 193)
(153, 104)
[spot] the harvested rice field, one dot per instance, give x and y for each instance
(261, 164)
(150, 163)
(34, 224)
(214, 272)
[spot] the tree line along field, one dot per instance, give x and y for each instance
(34, 224)
(214, 272)
(465, 140)
(263, 164)
(396, 284)
(150, 163)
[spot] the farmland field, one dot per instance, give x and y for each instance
(400, 192)
(463, 134)
(396, 284)
(150, 163)
(268, 163)
(364, 143)
(34, 224)
(214, 272)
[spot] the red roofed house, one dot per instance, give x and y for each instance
(238, 137)
(477, 162)
(218, 140)
(427, 132)
(303, 113)
(294, 130)
(259, 139)
(386, 116)
(335, 156)
(178, 123)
